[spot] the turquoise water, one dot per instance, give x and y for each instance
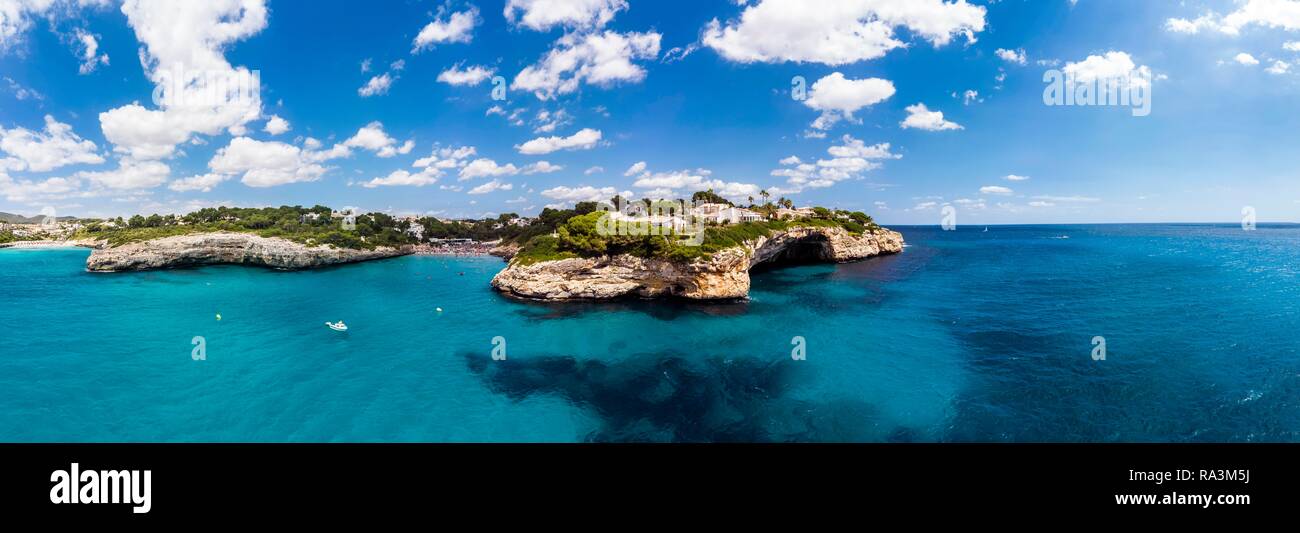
(967, 336)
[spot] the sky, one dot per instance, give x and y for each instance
(904, 109)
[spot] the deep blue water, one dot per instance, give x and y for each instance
(967, 336)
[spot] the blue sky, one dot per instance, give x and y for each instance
(906, 106)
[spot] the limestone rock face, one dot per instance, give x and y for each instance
(227, 248)
(723, 276)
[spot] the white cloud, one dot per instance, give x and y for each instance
(1279, 67)
(130, 174)
(265, 163)
(444, 158)
(1246, 59)
(1113, 65)
(581, 194)
(922, 118)
(16, 15)
(57, 146)
(1017, 56)
(838, 97)
(402, 178)
(543, 15)
(669, 184)
(373, 138)
(456, 28)
(849, 160)
(276, 125)
(593, 170)
(491, 186)
(1013, 177)
(89, 52)
(600, 59)
(1291, 46)
(192, 36)
(838, 32)
(470, 76)
(635, 169)
(1284, 14)
(542, 167)
(377, 85)
(28, 190)
(584, 139)
(202, 182)
(996, 189)
(485, 167)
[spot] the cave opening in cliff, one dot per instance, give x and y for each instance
(808, 251)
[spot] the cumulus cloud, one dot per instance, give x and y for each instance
(1284, 14)
(635, 169)
(583, 194)
(403, 178)
(996, 189)
(839, 98)
(491, 186)
(849, 160)
(669, 184)
(130, 174)
(16, 15)
(202, 182)
(265, 163)
(88, 45)
(469, 76)
(584, 139)
(182, 55)
(55, 147)
(373, 138)
(542, 167)
(1246, 59)
(1017, 56)
(1115, 66)
(276, 125)
(456, 28)
(1013, 177)
(377, 85)
(543, 15)
(922, 118)
(445, 158)
(484, 167)
(600, 59)
(838, 32)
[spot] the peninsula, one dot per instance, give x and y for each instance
(703, 252)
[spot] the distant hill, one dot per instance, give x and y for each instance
(10, 218)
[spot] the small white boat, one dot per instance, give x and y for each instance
(340, 326)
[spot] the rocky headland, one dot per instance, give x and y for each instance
(724, 275)
(227, 248)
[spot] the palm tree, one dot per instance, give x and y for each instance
(765, 196)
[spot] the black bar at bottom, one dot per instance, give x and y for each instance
(234, 480)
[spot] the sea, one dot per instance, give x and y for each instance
(1070, 333)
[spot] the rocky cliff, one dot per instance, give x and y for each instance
(724, 275)
(227, 248)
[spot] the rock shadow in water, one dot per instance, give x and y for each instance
(670, 398)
